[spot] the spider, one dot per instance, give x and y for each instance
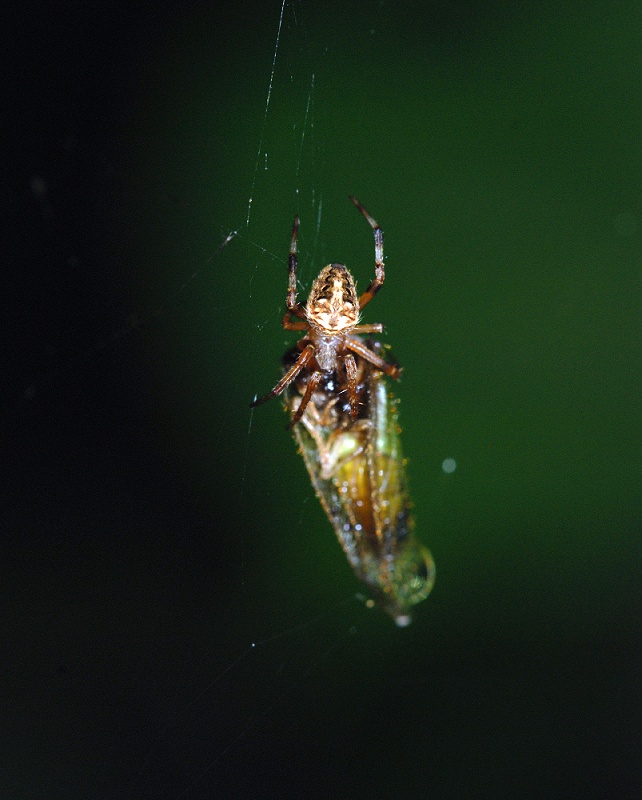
(331, 320)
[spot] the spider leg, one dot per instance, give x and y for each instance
(376, 327)
(292, 325)
(360, 349)
(351, 372)
(309, 391)
(302, 361)
(379, 277)
(294, 307)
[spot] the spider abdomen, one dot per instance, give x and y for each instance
(333, 305)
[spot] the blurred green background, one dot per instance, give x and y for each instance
(178, 617)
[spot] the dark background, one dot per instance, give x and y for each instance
(176, 617)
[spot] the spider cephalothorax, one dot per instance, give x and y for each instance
(331, 320)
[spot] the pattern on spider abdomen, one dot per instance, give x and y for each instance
(333, 304)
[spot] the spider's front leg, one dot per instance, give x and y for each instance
(309, 391)
(351, 372)
(380, 275)
(360, 349)
(307, 355)
(294, 307)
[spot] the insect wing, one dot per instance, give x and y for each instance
(358, 473)
(399, 570)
